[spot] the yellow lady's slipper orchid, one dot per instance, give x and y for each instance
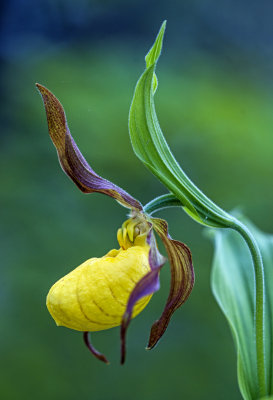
(109, 291)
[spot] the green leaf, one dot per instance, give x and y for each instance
(233, 286)
(267, 398)
(154, 53)
(152, 149)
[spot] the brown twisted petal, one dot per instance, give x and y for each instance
(182, 279)
(71, 159)
(147, 285)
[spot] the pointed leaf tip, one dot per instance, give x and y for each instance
(155, 51)
(150, 146)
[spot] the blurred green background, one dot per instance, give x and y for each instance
(214, 104)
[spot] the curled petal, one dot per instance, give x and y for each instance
(95, 352)
(146, 286)
(71, 159)
(182, 279)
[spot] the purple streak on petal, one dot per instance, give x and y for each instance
(182, 279)
(71, 159)
(89, 345)
(146, 286)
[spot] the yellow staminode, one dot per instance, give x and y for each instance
(94, 296)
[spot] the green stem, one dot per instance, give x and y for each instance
(161, 202)
(170, 200)
(259, 306)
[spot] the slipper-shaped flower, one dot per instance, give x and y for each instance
(109, 291)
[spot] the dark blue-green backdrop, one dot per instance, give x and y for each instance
(214, 103)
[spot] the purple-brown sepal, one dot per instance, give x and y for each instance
(182, 279)
(71, 159)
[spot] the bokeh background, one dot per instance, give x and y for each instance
(214, 104)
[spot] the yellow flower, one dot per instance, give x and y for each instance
(94, 296)
(109, 291)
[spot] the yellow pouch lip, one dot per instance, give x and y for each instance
(94, 295)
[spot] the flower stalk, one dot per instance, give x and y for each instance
(169, 200)
(259, 302)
